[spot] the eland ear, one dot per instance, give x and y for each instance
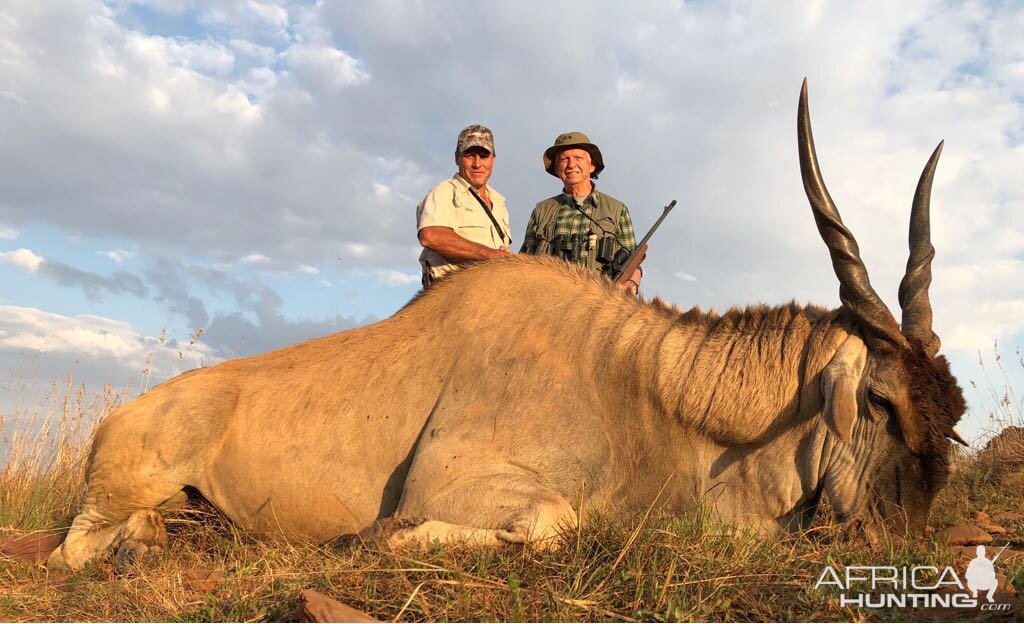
(839, 383)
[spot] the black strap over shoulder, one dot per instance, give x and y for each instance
(487, 210)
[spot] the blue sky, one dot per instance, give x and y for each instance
(251, 169)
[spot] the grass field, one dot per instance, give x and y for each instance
(613, 569)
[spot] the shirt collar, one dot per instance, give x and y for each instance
(464, 186)
(591, 199)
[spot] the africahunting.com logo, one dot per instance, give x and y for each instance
(915, 587)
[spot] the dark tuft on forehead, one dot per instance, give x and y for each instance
(938, 403)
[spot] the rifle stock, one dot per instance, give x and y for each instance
(635, 260)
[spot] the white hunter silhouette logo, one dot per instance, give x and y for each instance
(981, 574)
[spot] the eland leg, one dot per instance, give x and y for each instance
(507, 505)
(127, 536)
(90, 534)
(142, 535)
(120, 512)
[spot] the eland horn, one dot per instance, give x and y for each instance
(917, 309)
(855, 289)
(955, 436)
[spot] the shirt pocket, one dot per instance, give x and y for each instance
(471, 213)
(607, 225)
(477, 234)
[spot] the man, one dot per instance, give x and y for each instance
(580, 224)
(463, 219)
(981, 574)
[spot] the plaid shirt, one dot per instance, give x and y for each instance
(572, 221)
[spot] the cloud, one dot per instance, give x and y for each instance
(120, 282)
(22, 258)
(270, 13)
(8, 233)
(267, 21)
(172, 289)
(310, 131)
(117, 255)
(261, 55)
(46, 346)
(979, 303)
(356, 249)
(396, 278)
(234, 335)
(77, 339)
(93, 284)
(255, 258)
(627, 87)
(325, 65)
(255, 325)
(203, 57)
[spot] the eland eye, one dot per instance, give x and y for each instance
(878, 400)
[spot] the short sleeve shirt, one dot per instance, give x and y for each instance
(451, 204)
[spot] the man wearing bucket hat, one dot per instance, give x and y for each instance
(463, 219)
(580, 224)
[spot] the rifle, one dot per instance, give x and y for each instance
(622, 269)
(999, 555)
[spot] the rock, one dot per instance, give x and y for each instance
(963, 535)
(1008, 516)
(994, 529)
(963, 551)
(1005, 586)
(34, 547)
(1012, 556)
(317, 607)
(203, 580)
(980, 517)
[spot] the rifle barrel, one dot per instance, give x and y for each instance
(654, 227)
(999, 555)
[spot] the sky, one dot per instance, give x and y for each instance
(185, 182)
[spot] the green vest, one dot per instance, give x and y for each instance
(545, 220)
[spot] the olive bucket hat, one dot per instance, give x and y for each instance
(571, 140)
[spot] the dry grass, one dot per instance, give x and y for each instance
(653, 569)
(46, 449)
(677, 569)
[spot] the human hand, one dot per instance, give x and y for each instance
(632, 283)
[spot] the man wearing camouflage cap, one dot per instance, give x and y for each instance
(463, 219)
(580, 224)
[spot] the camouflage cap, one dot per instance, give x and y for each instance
(573, 140)
(475, 136)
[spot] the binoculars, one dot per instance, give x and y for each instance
(610, 254)
(568, 247)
